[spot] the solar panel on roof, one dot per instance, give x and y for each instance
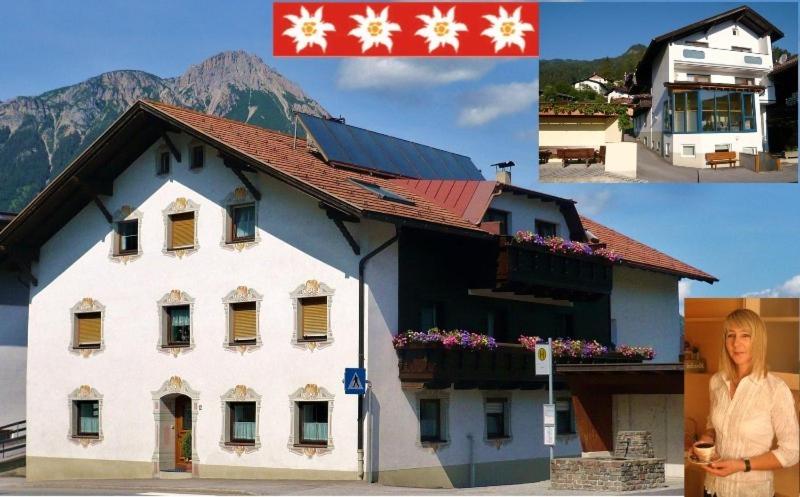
(359, 147)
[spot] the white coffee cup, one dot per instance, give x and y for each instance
(704, 450)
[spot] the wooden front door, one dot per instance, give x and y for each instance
(183, 433)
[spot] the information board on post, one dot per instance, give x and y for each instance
(549, 418)
(543, 362)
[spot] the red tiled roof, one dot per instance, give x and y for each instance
(638, 254)
(276, 151)
(455, 204)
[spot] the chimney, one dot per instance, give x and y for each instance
(504, 176)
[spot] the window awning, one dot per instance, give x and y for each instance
(641, 378)
(691, 85)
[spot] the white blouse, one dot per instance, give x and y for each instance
(761, 410)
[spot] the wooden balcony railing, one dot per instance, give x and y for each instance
(535, 269)
(433, 366)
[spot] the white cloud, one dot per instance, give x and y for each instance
(789, 288)
(408, 74)
(592, 203)
(492, 102)
(527, 134)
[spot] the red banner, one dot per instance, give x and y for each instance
(406, 29)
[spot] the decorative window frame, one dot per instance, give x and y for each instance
(497, 394)
(171, 299)
(311, 288)
(84, 393)
(175, 385)
(239, 196)
(239, 393)
(85, 306)
(190, 155)
(444, 412)
(240, 295)
(180, 205)
(309, 393)
(125, 213)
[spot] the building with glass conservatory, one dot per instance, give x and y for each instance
(709, 88)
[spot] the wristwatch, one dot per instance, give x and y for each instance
(746, 465)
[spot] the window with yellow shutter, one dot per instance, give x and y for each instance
(88, 328)
(244, 322)
(313, 318)
(182, 230)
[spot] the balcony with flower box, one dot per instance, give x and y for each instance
(441, 359)
(555, 268)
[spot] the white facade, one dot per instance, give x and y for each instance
(296, 243)
(728, 53)
(13, 347)
(635, 289)
(594, 83)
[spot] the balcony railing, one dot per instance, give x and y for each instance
(12, 441)
(434, 366)
(536, 270)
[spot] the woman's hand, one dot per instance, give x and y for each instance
(725, 467)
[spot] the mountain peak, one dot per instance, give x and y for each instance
(40, 135)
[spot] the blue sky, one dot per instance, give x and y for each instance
(747, 235)
(600, 30)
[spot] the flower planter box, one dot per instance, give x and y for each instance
(607, 358)
(536, 267)
(790, 154)
(508, 366)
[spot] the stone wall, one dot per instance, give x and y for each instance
(632, 444)
(611, 475)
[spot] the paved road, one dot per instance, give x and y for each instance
(554, 172)
(651, 167)
(18, 486)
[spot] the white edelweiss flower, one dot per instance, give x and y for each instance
(374, 30)
(441, 30)
(507, 30)
(308, 30)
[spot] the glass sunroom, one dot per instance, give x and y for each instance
(709, 111)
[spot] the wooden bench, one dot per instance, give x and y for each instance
(715, 158)
(567, 154)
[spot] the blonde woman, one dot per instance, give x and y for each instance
(750, 408)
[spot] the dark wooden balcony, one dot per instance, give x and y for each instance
(433, 366)
(535, 270)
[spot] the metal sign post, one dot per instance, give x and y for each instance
(544, 365)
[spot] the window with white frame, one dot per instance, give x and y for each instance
(722, 147)
(240, 413)
(565, 416)
(687, 151)
(85, 408)
(87, 326)
(432, 414)
(312, 306)
(242, 307)
(312, 413)
(497, 418)
(749, 150)
(175, 311)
